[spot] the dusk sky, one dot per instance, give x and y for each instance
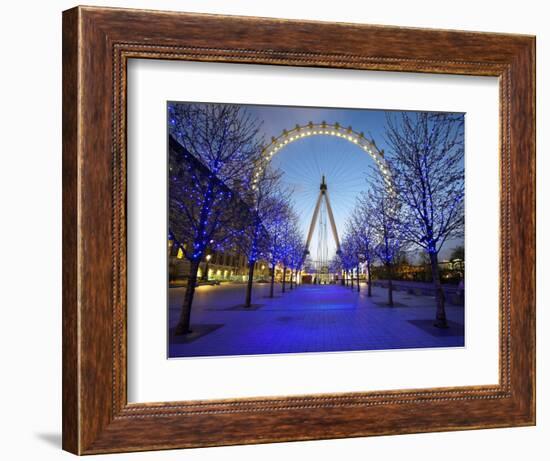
(346, 167)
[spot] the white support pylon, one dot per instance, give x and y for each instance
(323, 193)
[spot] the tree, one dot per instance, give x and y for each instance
(254, 242)
(290, 236)
(296, 257)
(275, 227)
(363, 232)
(427, 154)
(335, 266)
(349, 254)
(220, 148)
(422, 259)
(386, 219)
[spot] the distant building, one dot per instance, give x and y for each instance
(221, 266)
(452, 265)
(450, 271)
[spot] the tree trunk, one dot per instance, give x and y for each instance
(291, 286)
(185, 314)
(248, 301)
(369, 290)
(440, 315)
(351, 279)
(272, 281)
(390, 284)
(284, 279)
(358, 285)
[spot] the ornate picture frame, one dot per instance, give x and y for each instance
(97, 44)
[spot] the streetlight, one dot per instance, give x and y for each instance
(205, 275)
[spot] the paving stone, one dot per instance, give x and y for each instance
(311, 318)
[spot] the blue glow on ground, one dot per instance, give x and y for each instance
(311, 318)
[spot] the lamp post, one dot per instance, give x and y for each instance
(205, 275)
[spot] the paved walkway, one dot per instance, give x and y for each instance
(310, 318)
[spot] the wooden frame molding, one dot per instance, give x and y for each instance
(97, 44)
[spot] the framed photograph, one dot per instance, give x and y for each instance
(281, 230)
(260, 259)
